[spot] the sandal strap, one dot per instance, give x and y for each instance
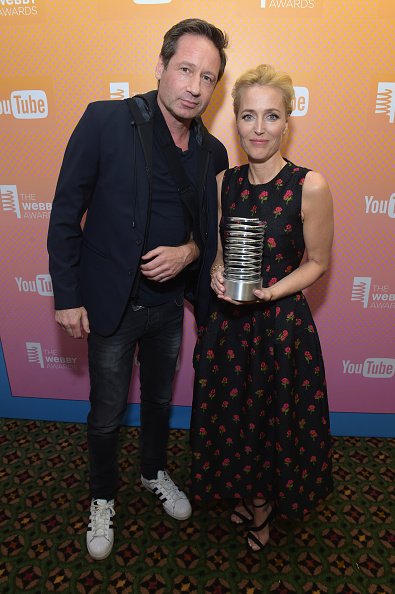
(248, 509)
(259, 505)
(241, 516)
(269, 518)
(245, 519)
(256, 541)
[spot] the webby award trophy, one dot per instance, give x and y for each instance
(243, 252)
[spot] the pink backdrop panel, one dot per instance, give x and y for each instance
(57, 57)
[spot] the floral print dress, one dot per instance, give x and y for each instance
(260, 421)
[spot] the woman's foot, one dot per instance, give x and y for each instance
(259, 532)
(242, 513)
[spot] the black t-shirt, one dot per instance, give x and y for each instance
(169, 222)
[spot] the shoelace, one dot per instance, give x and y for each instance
(167, 488)
(101, 514)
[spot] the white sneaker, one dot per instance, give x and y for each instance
(174, 501)
(100, 534)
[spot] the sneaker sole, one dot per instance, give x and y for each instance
(181, 518)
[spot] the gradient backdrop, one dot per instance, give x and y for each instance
(57, 56)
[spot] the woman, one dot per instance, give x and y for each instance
(260, 422)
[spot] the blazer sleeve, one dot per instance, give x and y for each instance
(73, 193)
(220, 156)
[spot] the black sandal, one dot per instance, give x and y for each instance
(252, 529)
(244, 519)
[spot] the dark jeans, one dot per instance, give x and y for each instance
(157, 331)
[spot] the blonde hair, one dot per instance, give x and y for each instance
(263, 75)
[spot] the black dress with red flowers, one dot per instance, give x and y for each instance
(260, 420)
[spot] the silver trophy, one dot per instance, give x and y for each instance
(243, 252)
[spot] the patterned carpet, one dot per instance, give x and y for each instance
(345, 547)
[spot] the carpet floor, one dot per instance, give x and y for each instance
(347, 546)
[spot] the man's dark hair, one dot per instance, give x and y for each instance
(195, 27)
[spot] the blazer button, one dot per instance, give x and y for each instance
(138, 241)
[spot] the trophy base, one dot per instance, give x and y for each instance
(240, 290)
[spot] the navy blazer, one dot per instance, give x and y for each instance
(93, 261)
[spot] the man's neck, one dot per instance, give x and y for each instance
(179, 129)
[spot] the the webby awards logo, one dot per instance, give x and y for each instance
(152, 1)
(35, 354)
(9, 200)
(25, 105)
(23, 205)
(385, 100)
(119, 90)
(48, 358)
(295, 4)
(19, 8)
(372, 295)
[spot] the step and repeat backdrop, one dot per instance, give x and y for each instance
(57, 56)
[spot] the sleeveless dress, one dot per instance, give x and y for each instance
(260, 420)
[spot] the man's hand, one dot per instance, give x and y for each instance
(73, 321)
(165, 262)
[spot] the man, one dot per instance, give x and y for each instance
(143, 170)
